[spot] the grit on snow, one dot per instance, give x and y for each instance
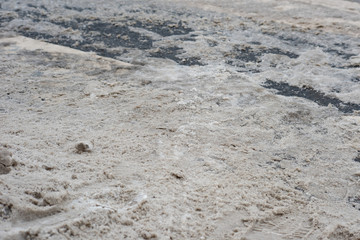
(180, 119)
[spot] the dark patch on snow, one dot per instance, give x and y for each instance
(5, 210)
(5, 19)
(246, 54)
(334, 49)
(336, 90)
(95, 31)
(249, 70)
(190, 39)
(279, 52)
(36, 16)
(285, 156)
(43, 7)
(212, 43)
(355, 79)
(299, 189)
(294, 40)
(235, 63)
(347, 66)
(64, 41)
(148, 11)
(163, 28)
(355, 202)
(37, 35)
(342, 45)
(255, 43)
(112, 34)
(340, 53)
(309, 93)
(79, 9)
(73, 24)
(172, 52)
(31, 5)
(249, 54)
